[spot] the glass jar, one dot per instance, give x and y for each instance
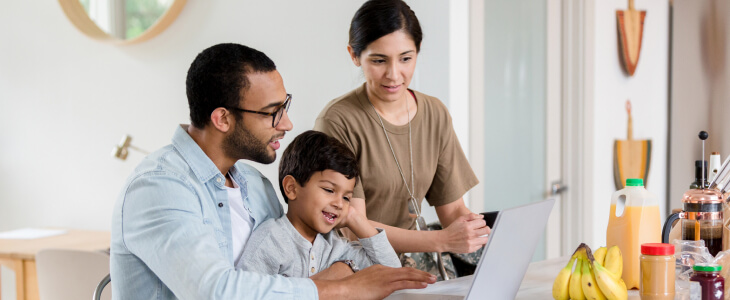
(657, 266)
(711, 282)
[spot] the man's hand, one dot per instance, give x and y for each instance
(374, 282)
(336, 271)
(465, 234)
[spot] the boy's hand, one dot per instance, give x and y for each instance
(358, 224)
(346, 217)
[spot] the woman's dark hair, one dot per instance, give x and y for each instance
(218, 77)
(378, 18)
(313, 151)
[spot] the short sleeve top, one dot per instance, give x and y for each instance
(441, 171)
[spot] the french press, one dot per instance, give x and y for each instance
(701, 217)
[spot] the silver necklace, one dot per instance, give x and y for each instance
(412, 205)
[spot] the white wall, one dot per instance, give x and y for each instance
(66, 100)
(647, 90)
(700, 67)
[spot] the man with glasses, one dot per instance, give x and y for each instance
(184, 215)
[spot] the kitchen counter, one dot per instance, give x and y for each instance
(537, 284)
(538, 281)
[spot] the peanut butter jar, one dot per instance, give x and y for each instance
(657, 265)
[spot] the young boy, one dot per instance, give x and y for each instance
(317, 174)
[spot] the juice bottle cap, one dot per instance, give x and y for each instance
(657, 249)
(634, 182)
(707, 267)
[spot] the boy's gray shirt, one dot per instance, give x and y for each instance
(276, 247)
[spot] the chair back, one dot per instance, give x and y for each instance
(70, 274)
(100, 287)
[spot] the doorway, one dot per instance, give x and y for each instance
(515, 117)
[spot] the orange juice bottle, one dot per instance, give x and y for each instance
(633, 220)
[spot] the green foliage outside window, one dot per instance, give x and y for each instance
(85, 3)
(142, 14)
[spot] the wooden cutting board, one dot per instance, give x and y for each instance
(630, 32)
(631, 157)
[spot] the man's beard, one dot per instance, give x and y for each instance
(243, 144)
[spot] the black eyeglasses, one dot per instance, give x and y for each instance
(278, 113)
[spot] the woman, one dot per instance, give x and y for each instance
(403, 139)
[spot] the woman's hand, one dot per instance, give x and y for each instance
(466, 234)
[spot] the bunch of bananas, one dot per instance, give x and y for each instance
(592, 275)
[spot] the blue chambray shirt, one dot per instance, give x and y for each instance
(171, 230)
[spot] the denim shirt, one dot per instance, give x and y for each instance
(171, 230)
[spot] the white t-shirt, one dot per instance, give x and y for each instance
(241, 221)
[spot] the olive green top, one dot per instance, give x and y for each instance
(441, 170)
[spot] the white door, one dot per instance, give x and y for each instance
(515, 108)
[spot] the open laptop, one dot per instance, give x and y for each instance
(515, 235)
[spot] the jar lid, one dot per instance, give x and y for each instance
(657, 249)
(635, 182)
(707, 267)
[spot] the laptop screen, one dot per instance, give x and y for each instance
(505, 259)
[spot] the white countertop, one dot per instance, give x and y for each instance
(537, 284)
(538, 281)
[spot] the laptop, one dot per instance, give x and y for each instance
(504, 261)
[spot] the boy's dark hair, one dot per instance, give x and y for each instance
(218, 76)
(314, 151)
(378, 18)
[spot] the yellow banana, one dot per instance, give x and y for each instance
(590, 286)
(622, 283)
(611, 285)
(614, 262)
(580, 251)
(600, 255)
(560, 286)
(575, 287)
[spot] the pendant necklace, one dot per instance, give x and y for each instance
(412, 203)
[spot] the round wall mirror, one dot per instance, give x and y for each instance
(122, 21)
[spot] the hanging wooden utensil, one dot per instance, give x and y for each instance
(630, 32)
(631, 158)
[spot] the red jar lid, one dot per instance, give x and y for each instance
(657, 249)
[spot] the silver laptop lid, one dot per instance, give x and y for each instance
(509, 251)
